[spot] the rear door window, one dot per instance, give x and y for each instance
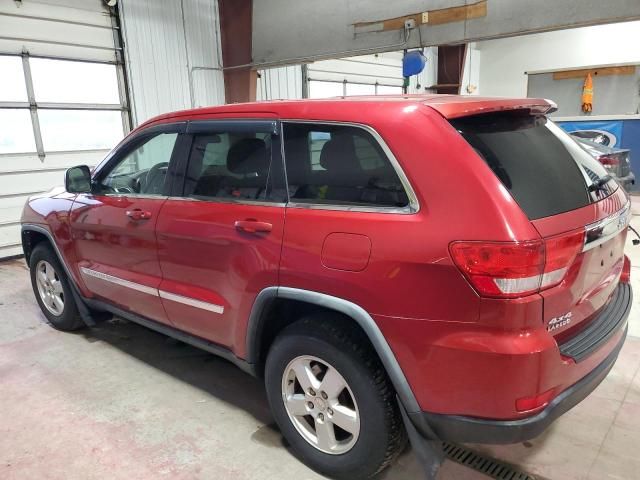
(339, 165)
(229, 165)
(545, 170)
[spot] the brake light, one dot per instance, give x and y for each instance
(516, 269)
(608, 160)
(560, 251)
(609, 163)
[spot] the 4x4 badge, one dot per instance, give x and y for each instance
(559, 322)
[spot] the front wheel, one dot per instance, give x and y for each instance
(52, 290)
(332, 399)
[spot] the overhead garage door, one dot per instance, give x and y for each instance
(62, 100)
(375, 74)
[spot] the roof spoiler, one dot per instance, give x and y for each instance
(471, 106)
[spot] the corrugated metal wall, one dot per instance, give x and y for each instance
(172, 52)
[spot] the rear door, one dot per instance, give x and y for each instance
(220, 236)
(566, 194)
(114, 226)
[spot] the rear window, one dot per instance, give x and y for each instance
(545, 170)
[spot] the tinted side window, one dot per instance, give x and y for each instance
(339, 165)
(232, 166)
(143, 170)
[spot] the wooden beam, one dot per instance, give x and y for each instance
(432, 17)
(235, 27)
(595, 72)
(455, 14)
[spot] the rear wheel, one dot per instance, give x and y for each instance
(52, 290)
(332, 399)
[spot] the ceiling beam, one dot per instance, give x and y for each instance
(286, 32)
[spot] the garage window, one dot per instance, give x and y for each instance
(74, 82)
(67, 130)
(49, 105)
(328, 89)
(12, 86)
(16, 135)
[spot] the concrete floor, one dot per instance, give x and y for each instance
(122, 402)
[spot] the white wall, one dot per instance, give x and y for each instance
(471, 72)
(505, 61)
(173, 55)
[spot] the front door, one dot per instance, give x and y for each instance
(219, 242)
(114, 226)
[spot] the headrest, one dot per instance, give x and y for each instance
(248, 155)
(339, 155)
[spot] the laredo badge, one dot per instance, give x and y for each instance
(559, 322)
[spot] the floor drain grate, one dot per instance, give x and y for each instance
(482, 464)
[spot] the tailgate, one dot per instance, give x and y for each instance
(592, 280)
(580, 213)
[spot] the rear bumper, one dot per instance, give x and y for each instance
(457, 428)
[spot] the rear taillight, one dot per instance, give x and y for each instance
(610, 163)
(560, 253)
(516, 269)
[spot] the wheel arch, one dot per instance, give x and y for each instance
(267, 320)
(32, 235)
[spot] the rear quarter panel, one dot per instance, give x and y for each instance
(410, 273)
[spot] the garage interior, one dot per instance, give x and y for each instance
(76, 76)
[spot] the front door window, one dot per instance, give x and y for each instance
(143, 170)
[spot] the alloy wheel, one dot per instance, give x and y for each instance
(320, 405)
(50, 287)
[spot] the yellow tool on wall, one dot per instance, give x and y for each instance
(587, 94)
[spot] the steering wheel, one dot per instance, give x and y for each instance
(153, 174)
(122, 190)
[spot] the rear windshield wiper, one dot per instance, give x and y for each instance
(600, 183)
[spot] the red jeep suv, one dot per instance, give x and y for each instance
(456, 261)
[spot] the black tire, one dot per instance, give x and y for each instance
(69, 319)
(382, 436)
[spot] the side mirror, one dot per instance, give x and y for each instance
(78, 179)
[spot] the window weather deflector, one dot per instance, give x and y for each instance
(234, 126)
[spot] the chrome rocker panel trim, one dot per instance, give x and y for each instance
(173, 297)
(119, 281)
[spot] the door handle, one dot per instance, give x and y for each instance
(138, 214)
(252, 226)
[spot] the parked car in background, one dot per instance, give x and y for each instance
(601, 137)
(451, 265)
(617, 161)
